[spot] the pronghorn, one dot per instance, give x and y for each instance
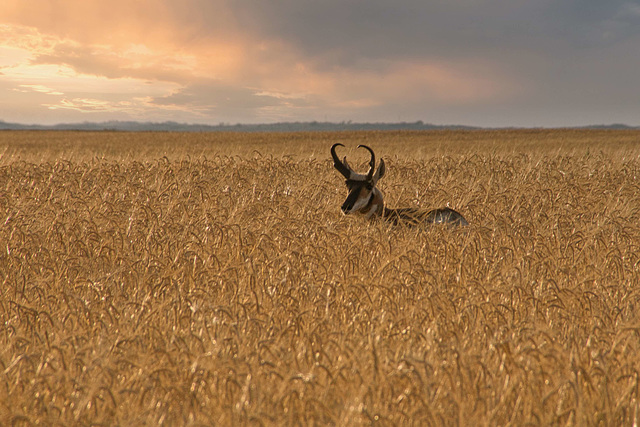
(366, 199)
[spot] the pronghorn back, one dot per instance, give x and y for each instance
(415, 216)
(366, 199)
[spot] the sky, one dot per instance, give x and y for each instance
(493, 63)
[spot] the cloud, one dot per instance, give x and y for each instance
(378, 28)
(261, 81)
(210, 98)
(89, 105)
(39, 88)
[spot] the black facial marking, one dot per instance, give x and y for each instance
(353, 196)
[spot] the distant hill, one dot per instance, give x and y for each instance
(616, 126)
(131, 126)
(184, 127)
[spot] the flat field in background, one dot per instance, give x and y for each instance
(210, 278)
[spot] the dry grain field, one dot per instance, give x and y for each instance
(211, 279)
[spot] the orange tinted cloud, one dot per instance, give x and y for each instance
(206, 61)
(112, 22)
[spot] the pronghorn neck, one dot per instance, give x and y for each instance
(376, 208)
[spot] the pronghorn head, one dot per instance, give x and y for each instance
(363, 196)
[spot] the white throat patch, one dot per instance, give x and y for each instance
(371, 211)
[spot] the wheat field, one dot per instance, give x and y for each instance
(211, 279)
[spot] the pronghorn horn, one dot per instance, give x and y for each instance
(372, 162)
(343, 168)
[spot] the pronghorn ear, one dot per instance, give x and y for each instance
(345, 163)
(380, 172)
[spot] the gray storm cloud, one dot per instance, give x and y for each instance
(476, 62)
(574, 60)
